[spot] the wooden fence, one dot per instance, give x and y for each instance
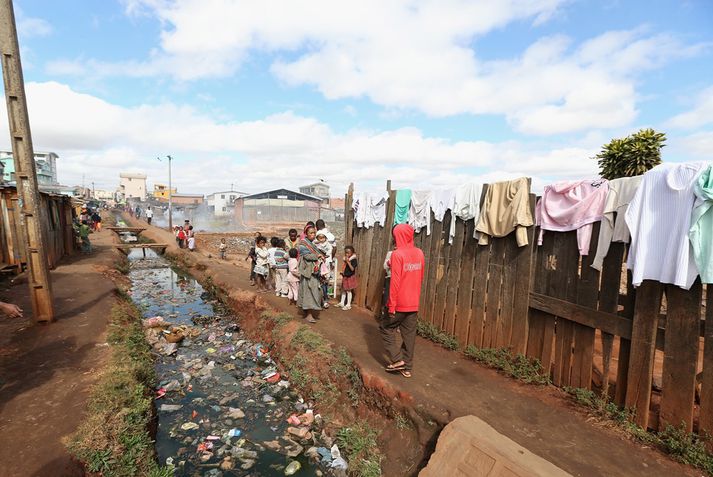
(643, 347)
(57, 222)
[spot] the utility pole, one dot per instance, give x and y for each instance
(25, 168)
(170, 196)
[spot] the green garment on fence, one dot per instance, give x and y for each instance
(701, 232)
(403, 203)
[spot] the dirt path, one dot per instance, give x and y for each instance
(46, 370)
(446, 386)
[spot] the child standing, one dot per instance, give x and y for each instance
(191, 239)
(223, 248)
(293, 277)
(261, 263)
(349, 278)
(281, 269)
(325, 247)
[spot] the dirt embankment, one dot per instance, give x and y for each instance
(344, 393)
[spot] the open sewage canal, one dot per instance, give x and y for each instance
(223, 408)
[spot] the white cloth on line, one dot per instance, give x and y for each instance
(441, 201)
(614, 229)
(370, 209)
(419, 214)
(466, 206)
(659, 218)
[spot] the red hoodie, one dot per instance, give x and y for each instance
(407, 265)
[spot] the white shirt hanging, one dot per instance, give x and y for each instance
(419, 214)
(466, 206)
(659, 218)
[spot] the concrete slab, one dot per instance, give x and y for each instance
(468, 447)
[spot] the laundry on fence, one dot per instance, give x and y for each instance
(506, 209)
(613, 226)
(572, 205)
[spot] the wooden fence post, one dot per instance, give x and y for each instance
(643, 347)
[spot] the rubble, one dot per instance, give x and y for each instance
(225, 406)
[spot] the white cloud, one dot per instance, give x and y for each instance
(97, 140)
(697, 146)
(407, 55)
(28, 27)
(700, 115)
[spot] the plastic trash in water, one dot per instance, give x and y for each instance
(234, 433)
(325, 454)
(189, 426)
(337, 461)
(292, 468)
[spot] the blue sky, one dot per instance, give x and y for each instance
(426, 93)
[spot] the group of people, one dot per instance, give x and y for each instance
(300, 267)
(185, 236)
(88, 221)
(137, 212)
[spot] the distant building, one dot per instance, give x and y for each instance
(161, 193)
(102, 194)
(221, 203)
(187, 199)
(318, 189)
(277, 206)
(45, 164)
(132, 185)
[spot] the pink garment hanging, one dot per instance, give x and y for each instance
(574, 205)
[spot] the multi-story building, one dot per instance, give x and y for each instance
(45, 165)
(132, 185)
(318, 189)
(161, 192)
(221, 203)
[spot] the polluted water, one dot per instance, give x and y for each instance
(223, 407)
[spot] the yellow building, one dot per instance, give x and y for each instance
(160, 192)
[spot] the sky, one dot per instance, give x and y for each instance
(258, 95)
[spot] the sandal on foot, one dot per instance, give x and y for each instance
(310, 320)
(405, 373)
(391, 368)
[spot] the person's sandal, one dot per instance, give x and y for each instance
(405, 373)
(391, 368)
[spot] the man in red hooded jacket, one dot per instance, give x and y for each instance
(407, 264)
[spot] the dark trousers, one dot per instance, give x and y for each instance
(148, 219)
(406, 323)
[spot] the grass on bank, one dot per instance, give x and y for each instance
(113, 439)
(516, 366)
(358, 444)
(685, 447)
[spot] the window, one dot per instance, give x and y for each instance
(225, 209)
(232, 198)
(222, 196)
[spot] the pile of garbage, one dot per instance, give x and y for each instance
(224, 408)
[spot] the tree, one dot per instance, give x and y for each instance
(632, 155)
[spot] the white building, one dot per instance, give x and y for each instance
(132, 184)
(221, 203)
(102, 194)
(318, 189)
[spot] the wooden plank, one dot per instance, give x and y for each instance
(587, 296)
(465, 286)
(439, 301)
(537, 318)
(680, 355)
(495, 287)
(705, 419)
(521, 291)
(609, 302)
(454, 271)
(436, 228)
(504, 323)
(433, 253)
(480, 286)
(622, 371)
(643, 344)
(563, 285)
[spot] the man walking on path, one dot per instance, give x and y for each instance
(149, 214)
(407, 265)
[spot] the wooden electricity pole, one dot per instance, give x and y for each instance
(25, 170)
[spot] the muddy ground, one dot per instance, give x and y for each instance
(446, 385)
